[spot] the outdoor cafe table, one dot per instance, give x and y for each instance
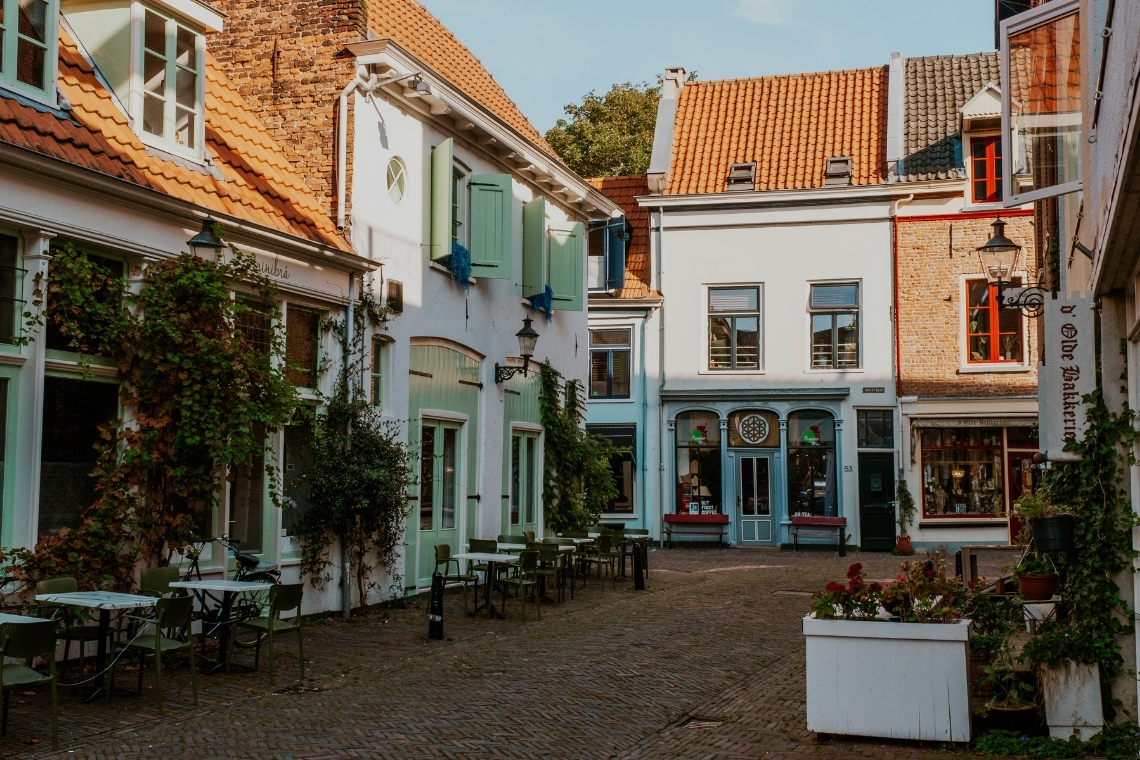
(7, 617)
(230, 590)
(104, 601)
(492, 560)
(522, 547)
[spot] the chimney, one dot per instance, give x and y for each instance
(671, 86)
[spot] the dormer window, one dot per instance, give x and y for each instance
(742, 178)
(168, 99)
(27, 47)
(985, 169)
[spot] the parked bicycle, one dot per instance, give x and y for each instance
(249, 605)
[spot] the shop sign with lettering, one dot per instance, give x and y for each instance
(1066, 375)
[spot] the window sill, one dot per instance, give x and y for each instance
(974, 207)
(858, 371)
(441, 268)
(978, 369)
(715, 372)
(962, 522)
(610, 399)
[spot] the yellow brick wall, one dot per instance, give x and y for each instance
(931, 259)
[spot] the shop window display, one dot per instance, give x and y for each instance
(812, 486)
(962, 472)
(698, 463)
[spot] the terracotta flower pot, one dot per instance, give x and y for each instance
(1037, 587)
(903, 546)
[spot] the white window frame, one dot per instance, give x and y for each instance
(168, 144)
(965, 366)
(629, 347)
(1014, 25)
(706, 355)
(10, 40)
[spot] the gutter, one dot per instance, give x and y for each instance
(156, 203)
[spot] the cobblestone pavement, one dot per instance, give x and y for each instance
(611, 674)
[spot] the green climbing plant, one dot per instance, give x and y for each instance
(200, 391)
(577, 481)
(357, 484)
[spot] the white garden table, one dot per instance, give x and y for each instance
(230, 590)
(105, 602)
(492, 560)
(7, 617)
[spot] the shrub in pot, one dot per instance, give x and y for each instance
(995, 619)
(904, 503)
(1050, 526)
(1036, 577)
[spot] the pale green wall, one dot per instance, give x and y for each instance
(105, 31)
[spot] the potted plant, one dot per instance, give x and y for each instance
(1012, 707)
(914, 623)
(1069, 679)
(995, 619)
(1050, 526)
(1036, 577)
(904, 503)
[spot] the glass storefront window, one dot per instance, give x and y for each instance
(962, 473)
(622, 466)
(247, 499)
(698, 463)
(298, 458)
(812, 484)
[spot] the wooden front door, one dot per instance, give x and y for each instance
(876, 501)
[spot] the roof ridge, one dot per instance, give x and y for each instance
(792, 75)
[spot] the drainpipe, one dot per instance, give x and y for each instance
(345, 559)
(644, 424)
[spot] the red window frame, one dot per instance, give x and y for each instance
(985, 169)
(994, 331)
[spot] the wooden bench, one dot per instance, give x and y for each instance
(696, 525)
(815, 524)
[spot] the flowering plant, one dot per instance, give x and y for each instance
(923, 593)
(854, 600)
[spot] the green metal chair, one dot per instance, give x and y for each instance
(576, 533)
(443, 557)
(601, 556)
(71, 631)
(172, 615)
(282, 598)
(527, 577)
(569, 560)
(550, 568)
(25, 641)
(512, 539)
(155, 581)
(529, 534)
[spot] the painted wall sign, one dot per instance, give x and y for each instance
(1067, 374)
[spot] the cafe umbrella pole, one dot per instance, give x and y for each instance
(435, 607)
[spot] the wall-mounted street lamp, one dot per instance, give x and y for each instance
(999, 257)
(205, 242)
(527, 338)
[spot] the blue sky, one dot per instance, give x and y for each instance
(546, 53)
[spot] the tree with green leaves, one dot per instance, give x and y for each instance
(608, 135)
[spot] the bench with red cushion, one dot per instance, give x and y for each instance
(814, 523)
(696, 525)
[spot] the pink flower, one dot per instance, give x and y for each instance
(855, 570)
(833, 587)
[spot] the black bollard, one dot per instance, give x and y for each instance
(638, 567)
(435, 607)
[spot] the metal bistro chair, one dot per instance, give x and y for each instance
(529, 534)
(550, 569)
(443, 557)
(600, 556)
(282, 598)
(25, 641)
(569, 560)
(71, 630)
(640, 536)
(172, 615)
(527, 577)
(155, 581)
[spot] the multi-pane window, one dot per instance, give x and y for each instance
(835, 326)
(734, 328)
(523, 468)
(609, 363)
(302, 350)
(876, 428)
(456, 206)
(378, 357)
(171, 68)
(985, 169)
(10, 276)
(27, 45)
(55, 338)
(247, 497)
(993, 334)
(298, 458)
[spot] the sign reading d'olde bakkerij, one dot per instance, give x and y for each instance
(1067, 374)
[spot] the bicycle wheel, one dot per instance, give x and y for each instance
(249, 607)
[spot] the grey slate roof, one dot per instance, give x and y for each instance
(935, 88)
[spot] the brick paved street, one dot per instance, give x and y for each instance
(609, 675)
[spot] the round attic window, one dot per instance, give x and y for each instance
(396, 179)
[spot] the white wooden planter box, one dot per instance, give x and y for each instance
(896, 680)
(1072, 700)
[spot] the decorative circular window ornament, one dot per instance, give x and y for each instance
(753, 429)
(397, 179)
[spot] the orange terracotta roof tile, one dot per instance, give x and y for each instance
(416, 29)
(638, 267)
(257, 184)
(789, 125)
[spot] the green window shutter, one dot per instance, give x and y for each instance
(441, 172)
(534, 247)
(490, 234)
(567, 250)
